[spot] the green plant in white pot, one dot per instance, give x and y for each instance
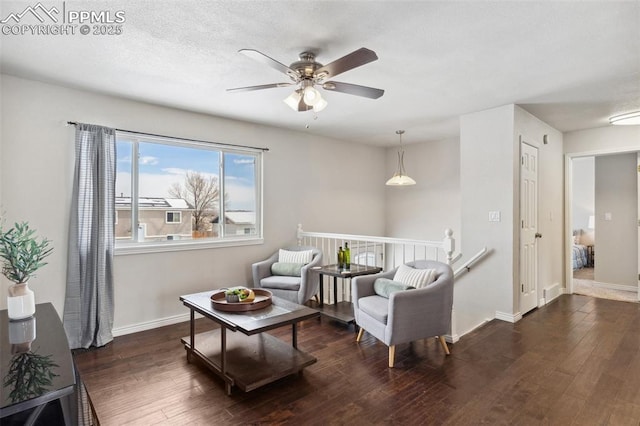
(22, 256)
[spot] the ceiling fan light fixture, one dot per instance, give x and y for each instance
(293, 100)
(311, 95)
(320, 105)
(306, 73)
(400, 177)
(628, 119)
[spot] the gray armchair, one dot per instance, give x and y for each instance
(406, 315)
(297, 289)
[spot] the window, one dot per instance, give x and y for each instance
(173, 217)
(168, 193)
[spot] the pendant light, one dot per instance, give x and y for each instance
(400, 177)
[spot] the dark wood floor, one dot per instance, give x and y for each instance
(574, 361)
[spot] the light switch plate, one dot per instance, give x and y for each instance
(494, 216)
(607, 216)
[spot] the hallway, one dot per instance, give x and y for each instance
(584, 284)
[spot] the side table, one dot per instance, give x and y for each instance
(340, 311)
(37, 370)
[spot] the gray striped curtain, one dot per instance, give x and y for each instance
(88, 307)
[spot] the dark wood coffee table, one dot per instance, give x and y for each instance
(253, 358)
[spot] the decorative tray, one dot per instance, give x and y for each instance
(262, 300)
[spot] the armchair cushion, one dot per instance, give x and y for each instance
(298, 256)
(281, 282)
(288, 269)
(418, 278)
(384, 287)
(376, 307)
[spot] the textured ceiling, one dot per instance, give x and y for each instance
(572, 64)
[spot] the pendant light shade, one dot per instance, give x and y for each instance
(400, 177)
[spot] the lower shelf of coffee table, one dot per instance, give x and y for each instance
(252, 361)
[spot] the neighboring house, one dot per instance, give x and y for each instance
(240, 222)
(237, 222)
(160, 218)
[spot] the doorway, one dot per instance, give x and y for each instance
(602, 223)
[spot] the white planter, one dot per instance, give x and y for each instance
(21, 302)
(22, 334)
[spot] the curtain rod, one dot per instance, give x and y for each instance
(74, 123)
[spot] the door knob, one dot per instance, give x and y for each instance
(538, 235)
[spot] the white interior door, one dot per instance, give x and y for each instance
(528, 227)
(638, 175)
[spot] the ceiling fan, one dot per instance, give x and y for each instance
(306, 74)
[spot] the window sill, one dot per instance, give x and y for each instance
(154, 247)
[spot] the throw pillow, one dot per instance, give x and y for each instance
(287, 269)
(384, 287)
(417, 278)
(300, 256)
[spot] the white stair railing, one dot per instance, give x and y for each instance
(384, 252)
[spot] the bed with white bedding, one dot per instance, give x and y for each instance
(580, 256)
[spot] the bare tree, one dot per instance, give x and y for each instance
(202, 193)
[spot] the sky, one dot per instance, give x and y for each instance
(160, 166)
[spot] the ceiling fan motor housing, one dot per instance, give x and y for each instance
(305, 68)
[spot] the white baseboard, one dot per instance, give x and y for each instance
(503, 316)
(477, 326)
(451, 338)
(143, 326)
(551, 292)
(621, 287)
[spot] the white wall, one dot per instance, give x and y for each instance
(489, 181)
(583, 197)
(603, 140)
(486, 184)
(616, 195)
(304, 182)
(423, 211)
(550, 200)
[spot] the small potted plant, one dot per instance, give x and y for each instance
(22, 256)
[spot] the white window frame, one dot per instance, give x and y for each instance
(174, 213)
(132, 246)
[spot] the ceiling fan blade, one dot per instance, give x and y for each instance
(263, 86)
(267, 60)
(353, 89)
(348, 62)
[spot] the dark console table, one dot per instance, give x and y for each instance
(340, 311)
(36, 365)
